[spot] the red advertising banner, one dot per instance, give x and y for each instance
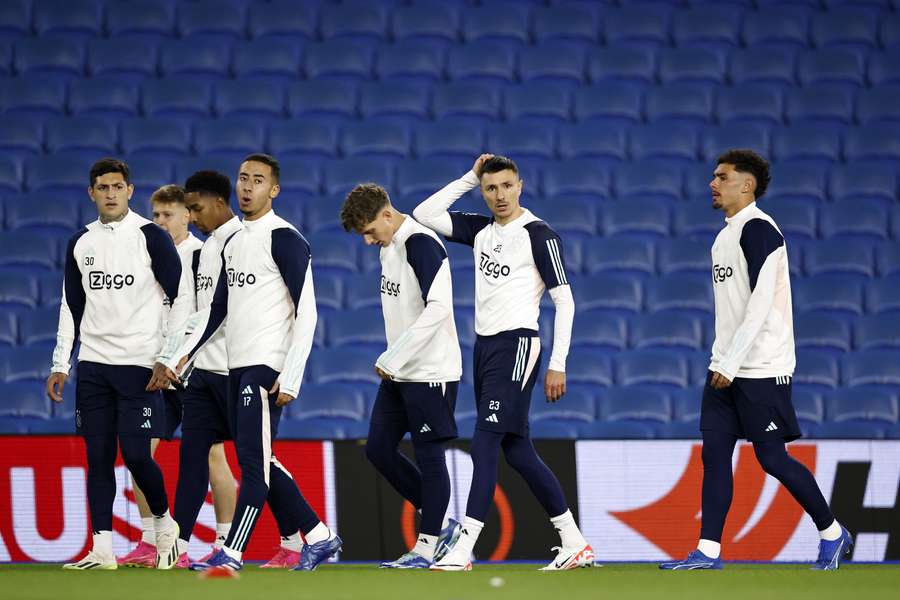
(43, 497)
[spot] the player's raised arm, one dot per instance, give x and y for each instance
(433, 212)
(71, 310)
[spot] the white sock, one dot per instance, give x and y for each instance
(102, 544)
(569, 534)
(233, 553)
(222, 530)
(425, 546)
(319, 533)
(471, 529)
(292, 542)
(832, 532)
(710, 548)
(163, 522)
(182, 546)
(148, 533)
(445, 523)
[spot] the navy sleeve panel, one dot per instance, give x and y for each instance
(75, 296)
(547, 249)
(195, 266)
(291, 253)
(164, 259)
(425, 255)
(759, 239)
(466, 226)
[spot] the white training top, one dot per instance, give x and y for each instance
(752, 287)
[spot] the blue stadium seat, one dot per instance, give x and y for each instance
(622, 64)
(690, 295)
(635, 25)
(658, 368)
(185, 98)
(397, 101)
(329, 289)
(266, 59)
(813, 331)
(198, 60)
(845, 28)
(17, 290)
(57, 174)
(261, 100)
(21, 137)
(690, 102)
(504, 23)
(776, 28)
(874, 406)
(674, 142)
(362, 328)
(555, 63)
(589, 369)
(354, 21)
(599, 332)
(15, 19)
(478, 103)
(876, 332)
(24, 400)
(447, 140)
(707, 27)
(293, 212)
(861, 220)
(462, 260)
(644, 221)
(38, 327)
(343, 365)
(141, 20)
(648, 179)
(686, 405)
(512, 139)
(322, 215)
(683, 256)
(84, 134)
(762, 65)
(342, 175)
(599, 141)
(554, 429)
(303, 138)
(819, 105)
(797, 181)
(122, 59)
(850, 430)
(564, 23)
(10, 175)
(610, 103)
(884, 68)
(542, 103)
(698, 222)
(617, 294)
(619, 256)
(872, 144)
(77, 19)
(148, 173)
(753, 104)
(32, 96)
(573, 220)
(617, 430)
(698, 176)
(376, 140)
(887, 257)
(690, 65)
(816, 144)
(42, 214)
(434, 23)
(577, 405)
(665, 331)
(809, 407)
(831, 293)
(332, 252)
(878, 105)
(329, 401)
(409, 62)
(889, 31)
(796, 220)
(831, 66)
(816, 371)
(283, 19)
(361, 291)
(57, 58)
(421, 178)
(864, 181)
(485, 62)
(333, 99)
(210, 20)
(337, 59)
(25, 364)
(716, 140)
(156, 137)
(228, 139)
(8, 336)
(103, 97)
(872, 368)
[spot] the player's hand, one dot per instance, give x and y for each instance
(382, 374)
(55, 384)
(479, 162)
(162, 377)
(283, 398)
(554, 385)
(719, 381)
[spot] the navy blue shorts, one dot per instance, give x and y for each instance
(424, 409)
(113, 399)
(205, 400)
(252, 411)
(506, 368)
(172, 402)
(755, 409)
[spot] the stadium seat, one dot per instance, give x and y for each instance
(716, 140)
(753, 104)
(397, 101)
(889, 31)
(10, 176)
(555, 63)
(329, 401)
(503, 23)
(819, 105)
(861, 220)
(876, 332)
(555, 429)
(599, 332)
(38, 327)
(854, 182)
(39, 97)
(622, 64)
(687, 295)
(283, 19)
(617, 430)
(435, 23)
(184, 98)
(796, 220)
(636, 26)
(462, 260)
(91, 135)
(844, 28)
(664, 369)
(815, 144)
(646, 180)
(332, 252)
(343, 365)
(813, 331)
(887, 258)
(333, 99)
(25, 364)
(420, 178)
(872, 368)
(589, 369)
(644, 221)
(707, 27)
(57, 58)
(21, 137)
(375, 140)
(356, 21)
(273, 60)
(337, 59)
(329, 289)
(198, 60)
(478, 103)
(228, 139)
(409, 62)
(619, 256)
(762, 65)
(8, 336)
(261, 100)
(155, 137)
(25, 399)
(878, 105)
(578, 219)
(665, 331)
(76, 19)
(816, 371)
(601, 142)
(362, 328)
(690, 102)
(15, 19)
(148, 173)
(512, 139)
(841, 296)
(884, 68)
(141, 20)
(447, 140)
(775, 28)
(617, 294)
(342, 175)
(796, 182)
(17, 290)
(690, 65)
(57, 174)
(872, 144)
(809, 407)
(831, 66)
(850, 430)
(485, 62)
(683, 256)
(122, 59)
(539, 103)
(610, 103)
(676, 142)
(206, 20)
(564, 23)
(322, 215)
(577, 405)
(42, 214)
(862, 405)
(293, 212)
(361, 291)
(103, 98)
(303, 138)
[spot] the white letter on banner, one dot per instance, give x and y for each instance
(25, 528)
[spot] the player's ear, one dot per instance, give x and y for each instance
(130, 190)
(273, 193)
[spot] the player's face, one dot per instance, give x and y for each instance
(501, 192)
(111, 195)
(171, 216)
(379, 232)
(256, 188)
(728, 187)
(203, 211)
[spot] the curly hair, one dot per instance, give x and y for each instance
(748, 161)
(362, 206)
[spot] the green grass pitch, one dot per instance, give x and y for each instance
(519, 582)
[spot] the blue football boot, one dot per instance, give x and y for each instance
(832, 552)
(313, 554)
(410, 560)
(447, 538)
(694, 560)
(218, 559)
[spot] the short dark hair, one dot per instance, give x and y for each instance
(110, 165)
(168, 194)
(362, 205)
(266, 159)
(748, 161)
(495, 164)
(209, 183)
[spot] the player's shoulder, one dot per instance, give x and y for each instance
(79, 235)
(417, 229)
(285, 234)
(191, 244)
(538, 229)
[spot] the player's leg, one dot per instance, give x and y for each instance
(144, 554)
(224, 491)
(293, 515)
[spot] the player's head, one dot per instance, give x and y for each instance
(257, 185)
(741, 176)
(501, 187)
(169, 211)
(367, 210)
(207, 195)
(110, 188)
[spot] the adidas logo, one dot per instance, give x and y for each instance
(247, 390)
(423, 540)
(146, 424)
(425, 428)
(772, 426)
(492, 418)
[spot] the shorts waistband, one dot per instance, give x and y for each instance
(512, 334)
